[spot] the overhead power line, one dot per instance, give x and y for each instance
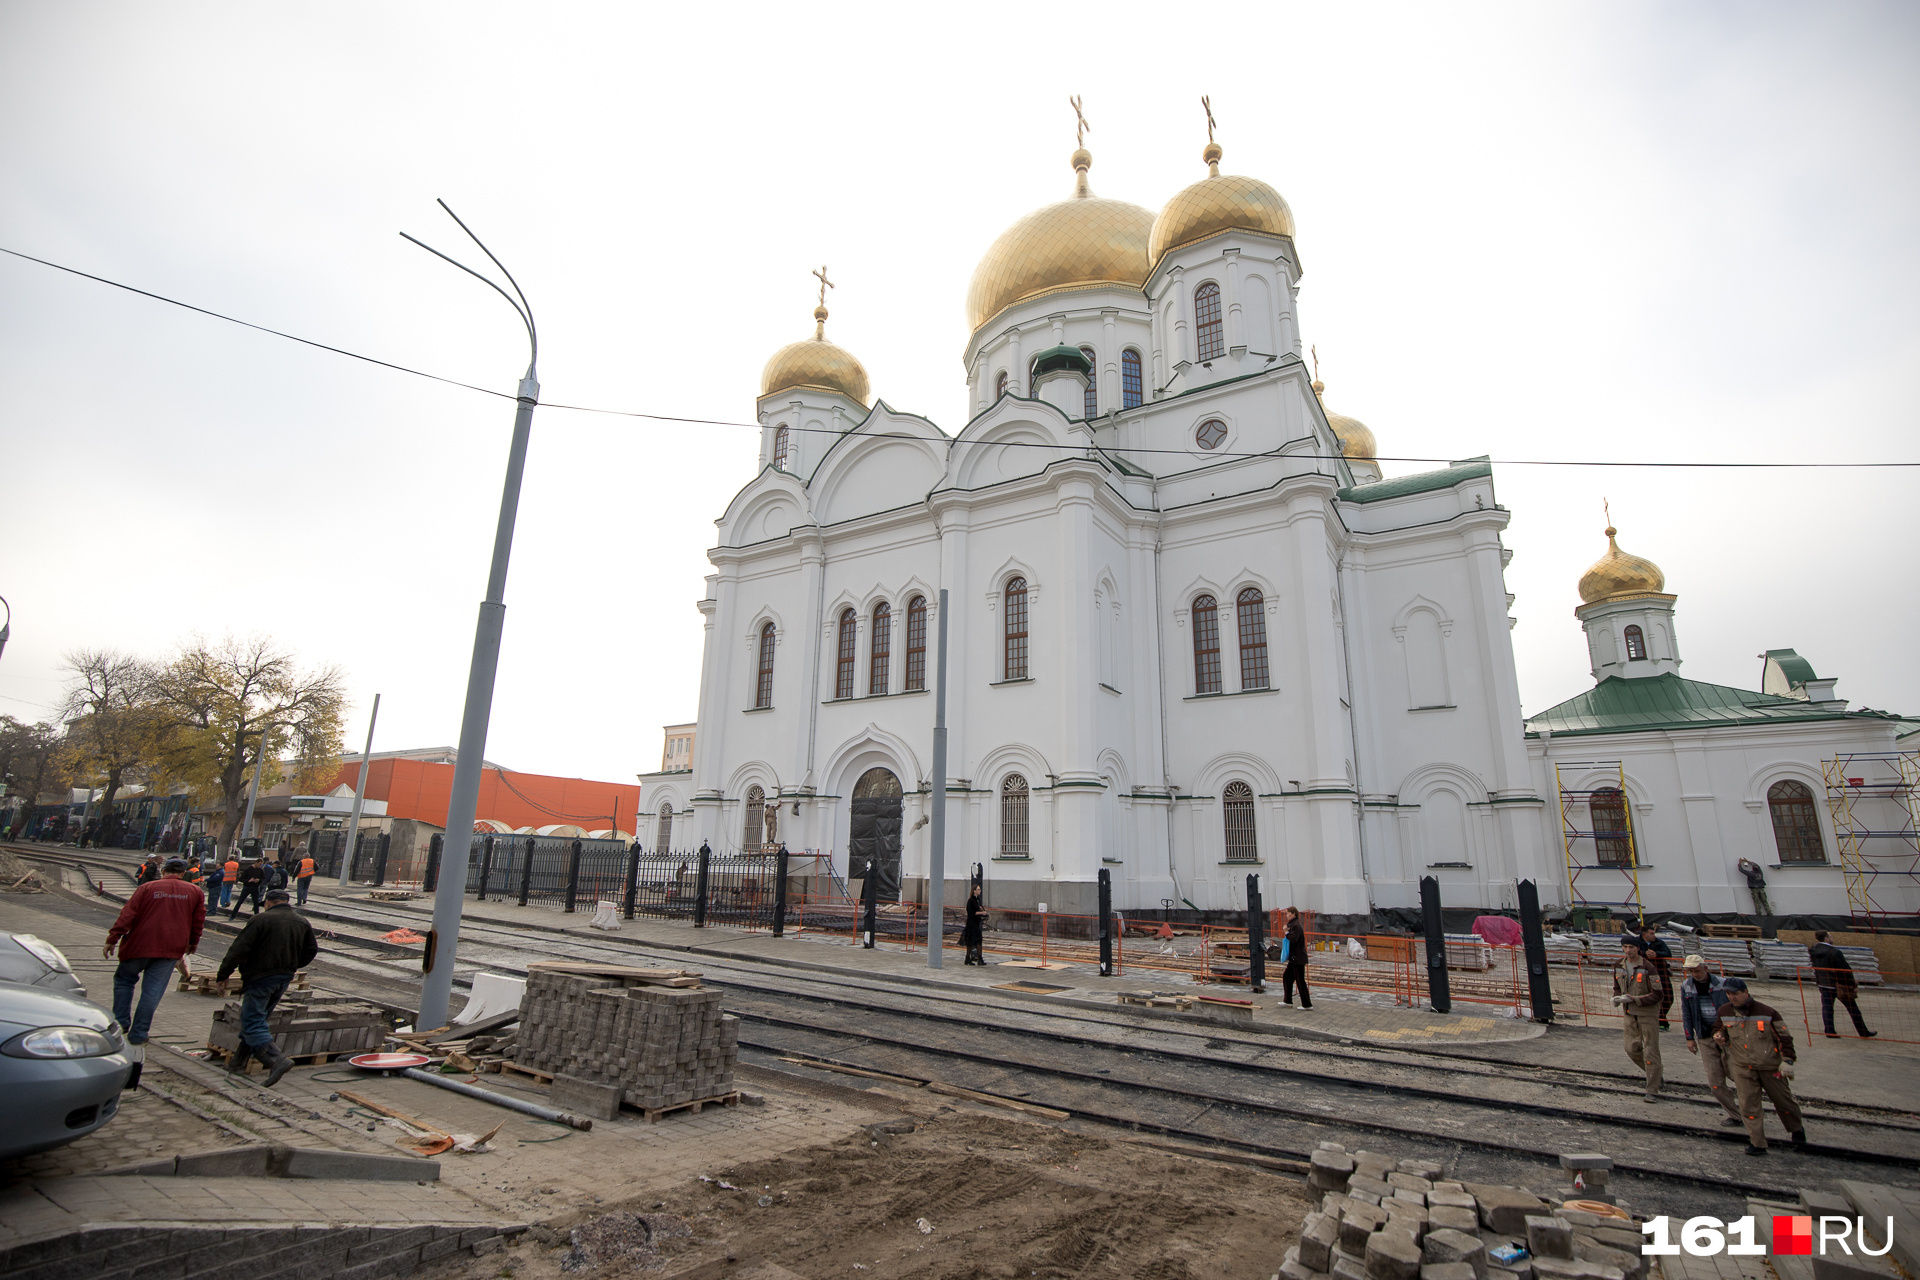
(904, 435)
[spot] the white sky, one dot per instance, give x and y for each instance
(1618, 231)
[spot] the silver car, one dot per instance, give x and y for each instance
(37, 963)
(63, 1064)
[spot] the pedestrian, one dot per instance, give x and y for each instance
(1760, 1050)
(1636, 991)
(1658, 954)
(1834, 976)
(148, 872)
(230, 876)
(1293, 960)
(973, 934)
(160, 923)
(253, 883)
(275, 945)
(303, 876)
(1700, 1001)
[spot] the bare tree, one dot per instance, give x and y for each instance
(117, 733)
(231, 701)
(34, 760)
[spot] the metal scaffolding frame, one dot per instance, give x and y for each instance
(1575, 838)
(1860, 785)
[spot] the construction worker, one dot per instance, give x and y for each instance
(1700, 1000)
(253, 883)
(1660, 956)
(1760, 1051)
(275, 945)
(1636, 993)
(230, 876)
(303, 876)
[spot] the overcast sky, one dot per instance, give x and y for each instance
(1620, 232)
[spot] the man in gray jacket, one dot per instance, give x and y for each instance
(1700, 1001)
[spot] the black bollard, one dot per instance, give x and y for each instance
(573, 874)
(431, 880)
(780, 892)
(1534, 939)
(1106, 923)
(486, 866)
(1256, 936)
(380, 859)
(1439, 995)
(633, 877)
(700, 887)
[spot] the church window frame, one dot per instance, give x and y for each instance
(782, 442)
(1015, 632)
(1206, 645)
(1612, 832)
(848, 656)
(763, 680)
(1796, 823)
(1636, 641)
(1000, 385)
(663, 827)
(753, 820)
(880, 651)
(916, 644)
(1090, 403)
(1015, 806)
(1209, 324)
(1211, 434)
(1251, 610)
(1132, 385)
(1237, 822)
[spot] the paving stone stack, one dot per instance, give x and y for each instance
(303, 1027)
(1387, 1219)
(659, 1046)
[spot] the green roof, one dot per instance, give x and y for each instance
(1795, 668)
(1650, 703)
(1062, 357)
(1424, 482)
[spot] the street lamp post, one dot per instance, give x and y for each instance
(450, 892)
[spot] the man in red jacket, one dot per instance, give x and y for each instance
(160, 923)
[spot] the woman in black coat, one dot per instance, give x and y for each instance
(971, 935)
(1296, 967)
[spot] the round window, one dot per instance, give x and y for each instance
(1210, 434)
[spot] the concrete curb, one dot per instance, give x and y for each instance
(277, 1161)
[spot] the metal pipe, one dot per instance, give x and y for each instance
(937, 842)
(359, 798)
(500, 1099)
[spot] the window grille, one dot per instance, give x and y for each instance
(1131, 393)
(663, 832)
(1253, 639)
(1237, 810)
(849, 647)
(1208, 329)
(1000, 385)
(1091, 406)
(1013, 817)
(1016, 650)
(756, 813)
(1610, 834)
(882, 649)
(917, 643)
(1636, 645)
(1206, 645)
(763, 687)
(1211, 433)
(1796, 823)
(780, 442)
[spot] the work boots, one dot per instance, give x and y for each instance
(237, 1062)
(278, 1063)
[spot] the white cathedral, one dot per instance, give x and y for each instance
(1193, 631)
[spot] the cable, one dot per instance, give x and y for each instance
(552, 813)
(902, 435)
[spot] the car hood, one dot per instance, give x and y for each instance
(23, 1008)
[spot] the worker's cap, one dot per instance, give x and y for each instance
(1734, 984)
(1629, 943)
(175, 864)
(1696, 962)
(279, 894)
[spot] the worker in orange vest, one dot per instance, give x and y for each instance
(232, 870)
(303, 873)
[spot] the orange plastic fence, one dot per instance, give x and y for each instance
(1893, 1016)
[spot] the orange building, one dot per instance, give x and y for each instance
(419, 784)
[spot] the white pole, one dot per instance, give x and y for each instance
(253, 792)
(359, 797)
(937, 861)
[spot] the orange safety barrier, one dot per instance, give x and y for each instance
(1893, 1016)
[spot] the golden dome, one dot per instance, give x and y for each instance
(1618, 574)
(1080, 242)
(1218, 202)
(817, 365)
(1356, 437)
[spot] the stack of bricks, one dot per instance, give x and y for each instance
(661, 1046)
(303, 1028)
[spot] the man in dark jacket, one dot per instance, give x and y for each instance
(1834, 976)
(1660, 956)
(253, 882)
(149, 870)
(274, 946)
(160, 923)
(1293, 946)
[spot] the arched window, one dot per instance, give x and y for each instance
(1610, 832)
(1016, 647)
(1636, 645)
(1130, 386)
(1796, 824)
(1211, 434)
(881, 650)
(780, 441)
(1013, 817)
(754, 820)
(1208, 330)
(1000, 385)
(1236, 808)
(663, 832)
(1253, 639)
(849, 650)
(1091, 408)
(917, 643)
(1206, 645)
(763, 687)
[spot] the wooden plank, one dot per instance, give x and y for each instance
(587, 970)
(854, 1071)
(1877, 1203)
(401, 1116)
(994, 1100)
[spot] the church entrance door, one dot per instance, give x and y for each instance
(874, 833)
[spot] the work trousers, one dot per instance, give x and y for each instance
(1713, 1061)
(1296, 971)
(1754, 1081)
(257, 1000)
(305, 883)
(151, 975)
(1827, 996)
(1641, 1035)
(254, 891)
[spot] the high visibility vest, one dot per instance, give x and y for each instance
(233, 870)
(306, 868)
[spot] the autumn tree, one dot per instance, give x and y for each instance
(34, 759)
(230, 702)
(117, 733)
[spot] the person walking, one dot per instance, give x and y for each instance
(230, 876)
(303, 877)
(1658, 954)
(1761, 1052)
(275, 945)
(1293, 960)
(1834, 976)
(253, 883)
(148, 872)
(1700, 1001)
(161, 922)
(1636, 991)
(972, 934)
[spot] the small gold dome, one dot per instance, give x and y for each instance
(1081, 242)
(1218, 202)
(1619, 574)
(1356, 437)
(817, 365)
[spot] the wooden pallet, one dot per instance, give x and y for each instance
(205, 984)
(1730, 930)
(215, 1054)
(544, 1077)
(724, 1100)
(1149, 1000)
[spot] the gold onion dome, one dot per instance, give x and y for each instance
(1218, 202)
(1081, 242)
(817, 365)
(1617, 574)
(1356, 437)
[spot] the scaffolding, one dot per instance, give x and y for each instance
(1591, 849)
(1874, 798)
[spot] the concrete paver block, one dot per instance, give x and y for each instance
(1392, 1255)
(1452, 1218)
(1456, 1246)
(1329, 1170)
(1549, 1237)
(1318, 1235)
(1505, 1209)
(1446, 1271)
(1441, 1196)
(1357, 1224)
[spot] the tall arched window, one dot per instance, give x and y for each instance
(763, 686)
(1016, 646)
(917, 643)
(849, 651)
(1796, 824)
(753, 820)
(1131, 392)
(1236, 808)
(1013, 817)
(1208, 330)
(1253, 638)
(1206, 645)
(1000, 385)
(780, 443)
(663, 831)
(1610, 833)
(1091, 408)
(878, 673)
(1636, 644)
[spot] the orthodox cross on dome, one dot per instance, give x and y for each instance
(820, 311)
(1319, 387)
(1211, 153)
(1206, 104)
(1606, 507)
(825, 284)
(1080, 122)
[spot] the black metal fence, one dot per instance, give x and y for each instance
(741, 891)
